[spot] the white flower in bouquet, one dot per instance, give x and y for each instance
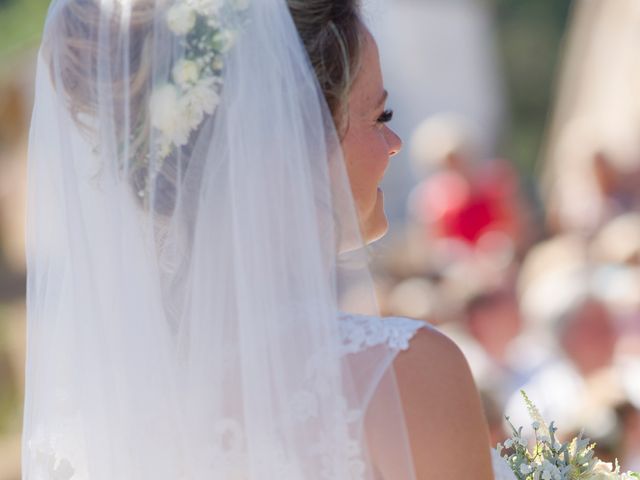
(606, 471)
(552, 460)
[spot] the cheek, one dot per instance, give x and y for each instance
(366, 158)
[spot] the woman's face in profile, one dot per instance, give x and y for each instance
(368, 142)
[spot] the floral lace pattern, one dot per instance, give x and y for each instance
(336, 447)
(56, 456)
(227, 457)
(360, 332)
(49, 465)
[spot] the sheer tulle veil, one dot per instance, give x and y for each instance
(191, 243)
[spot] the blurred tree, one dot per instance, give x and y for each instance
(21, 24)
(530, 35)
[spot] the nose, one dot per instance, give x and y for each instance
(394, 142)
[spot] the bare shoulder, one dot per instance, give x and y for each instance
(443, 409)
(434, 377)
(430, 345)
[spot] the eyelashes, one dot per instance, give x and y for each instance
(386, 116)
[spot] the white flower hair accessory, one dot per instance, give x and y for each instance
(177, 107)
(205, 30)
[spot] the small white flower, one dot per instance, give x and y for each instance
(217, 63)
(163, 149)
(63, 470)
(204, 94)
(207, 7)
(604, 471)
(181, 18)
(162, 105)
(603, 467)
(190, 112)
(525, 469)
(185, 72)
(508, 443)
(535, 425)
(550, 471)
(165, 112)
(214, 21)
(224, 40)
(240, 5)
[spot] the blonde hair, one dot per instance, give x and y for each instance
(74, 33)
(330, 30)
(332, 33)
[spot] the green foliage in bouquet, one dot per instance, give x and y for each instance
(552, 460)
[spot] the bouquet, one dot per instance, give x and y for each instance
(552, 460)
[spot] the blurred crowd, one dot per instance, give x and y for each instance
(548, 304)
(536, 274)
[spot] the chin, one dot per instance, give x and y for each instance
(377, 224)
(378, 233)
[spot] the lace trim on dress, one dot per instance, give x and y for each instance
(226, 458)
(360, 332)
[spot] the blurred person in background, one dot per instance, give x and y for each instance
(493, 321)
(629, 436)
(599, 176)
(618, 241)
(493, 410)
(587, 335)
(462, 200)
(592, 150)
(577, 386)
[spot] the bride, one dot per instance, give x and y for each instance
(203, 182)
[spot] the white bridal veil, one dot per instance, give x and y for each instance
(192, 242)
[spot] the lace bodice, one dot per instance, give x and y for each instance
(362, 331)
(358, 332)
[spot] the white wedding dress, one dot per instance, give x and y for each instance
(361, 331)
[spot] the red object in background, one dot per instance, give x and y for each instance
(458, 207)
